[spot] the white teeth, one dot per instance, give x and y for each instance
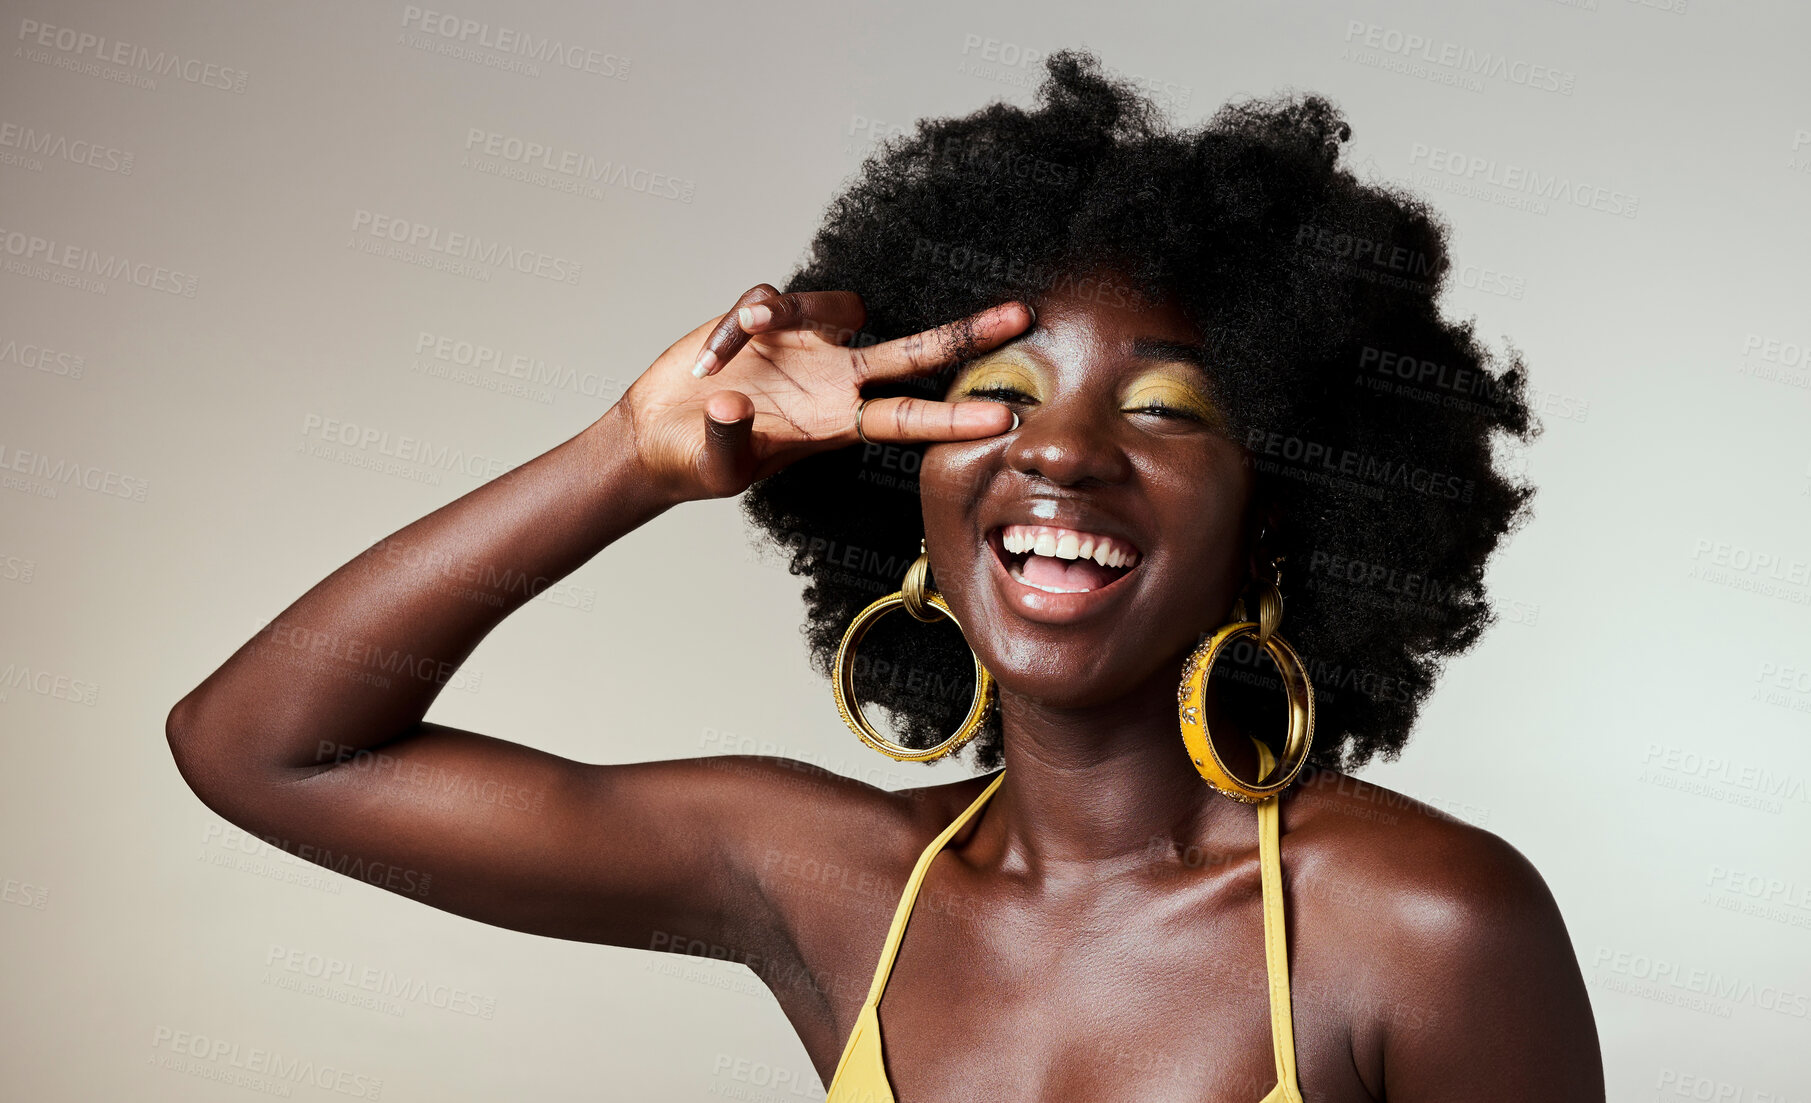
(1059, 543)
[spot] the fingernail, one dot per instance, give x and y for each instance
(1034, 315)
(751, 316)
(706, 361)
(1015, 420)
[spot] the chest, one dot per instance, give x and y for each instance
(1104, 998)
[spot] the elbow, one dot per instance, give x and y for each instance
(179, 732)
(187, 733)
(178, 726)
(223, 756)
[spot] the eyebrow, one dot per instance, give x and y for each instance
(1152, 348)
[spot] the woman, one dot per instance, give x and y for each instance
(1133, 393)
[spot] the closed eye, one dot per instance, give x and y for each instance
(999, 392)
(1158, 409)
(1002, 393)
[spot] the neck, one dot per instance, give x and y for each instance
(1108, 785)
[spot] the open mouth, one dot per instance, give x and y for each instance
(1062, 561)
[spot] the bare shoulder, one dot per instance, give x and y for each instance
(1450, 940)
(1436, 868)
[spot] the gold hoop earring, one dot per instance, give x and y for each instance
(927, 605)
(1191, 695)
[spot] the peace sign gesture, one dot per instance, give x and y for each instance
(776, 379)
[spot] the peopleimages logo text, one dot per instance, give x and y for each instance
(508, 40)
(129, 55)
(1460, 58)
(31, 248)
(1517, 178)
(452, 243)
(579, 166)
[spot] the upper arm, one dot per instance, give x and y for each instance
(657, 855)
(1500, 1007)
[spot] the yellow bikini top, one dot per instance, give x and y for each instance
(861, 1074)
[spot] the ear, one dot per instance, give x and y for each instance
(1264, 520)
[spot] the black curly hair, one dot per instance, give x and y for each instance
(1370, 421)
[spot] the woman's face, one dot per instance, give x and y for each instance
(1120, 441)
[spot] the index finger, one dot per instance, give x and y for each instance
(728, 337)
(926, 352)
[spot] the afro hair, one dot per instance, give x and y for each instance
(1370, 422)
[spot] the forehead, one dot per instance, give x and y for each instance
(1104, 315)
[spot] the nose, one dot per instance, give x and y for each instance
(1069, 444)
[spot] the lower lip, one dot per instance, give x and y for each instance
(1048, 608)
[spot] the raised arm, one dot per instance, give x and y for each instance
(312, 734)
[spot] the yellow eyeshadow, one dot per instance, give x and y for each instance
(1173, 392)
(1179, 390)
(995, 373)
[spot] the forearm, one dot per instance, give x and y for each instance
(358, 659)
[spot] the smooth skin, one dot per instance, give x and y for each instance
(1095, 933)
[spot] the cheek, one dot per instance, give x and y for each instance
(950, 480)
(1205, 504)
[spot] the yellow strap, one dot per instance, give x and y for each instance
(904, 911)
(1276, 939)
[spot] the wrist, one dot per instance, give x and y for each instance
(621, 468)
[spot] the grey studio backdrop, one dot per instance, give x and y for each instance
(222, 375)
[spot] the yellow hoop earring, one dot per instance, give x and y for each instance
(927, 605)
(1191, 694)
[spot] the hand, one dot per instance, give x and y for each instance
(779, 381)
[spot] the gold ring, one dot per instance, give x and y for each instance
(859, 409)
